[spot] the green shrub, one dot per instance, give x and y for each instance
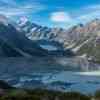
(74, 96)
(38, 94)
(97, 95)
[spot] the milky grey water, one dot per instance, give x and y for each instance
(56, 74)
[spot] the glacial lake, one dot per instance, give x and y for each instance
(65, 75)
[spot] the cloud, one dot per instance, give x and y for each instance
(13, 12)
(93, 7)
(88, 17)
(60, 17)
(88, 13)
(16, 9)
(83, 15)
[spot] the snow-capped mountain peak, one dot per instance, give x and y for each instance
(23, 20)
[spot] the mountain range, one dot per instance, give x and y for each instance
(82, 39)
(14, 42)
(24, 38)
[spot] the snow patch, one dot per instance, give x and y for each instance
(76, 49)
(49, 47)
(83, 56)
(71, 46)
(22, 21)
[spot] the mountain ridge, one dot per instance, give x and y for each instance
(29, 39)
(13, 37)
(81, 38)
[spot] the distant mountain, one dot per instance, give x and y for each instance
(29, 39)
(83, 40)
(86, 40)
(36, 32)
(14, 42)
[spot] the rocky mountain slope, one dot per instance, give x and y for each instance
(14, 42)
(36, 32)
(83, 40)
(29, 39)
(87, 40)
